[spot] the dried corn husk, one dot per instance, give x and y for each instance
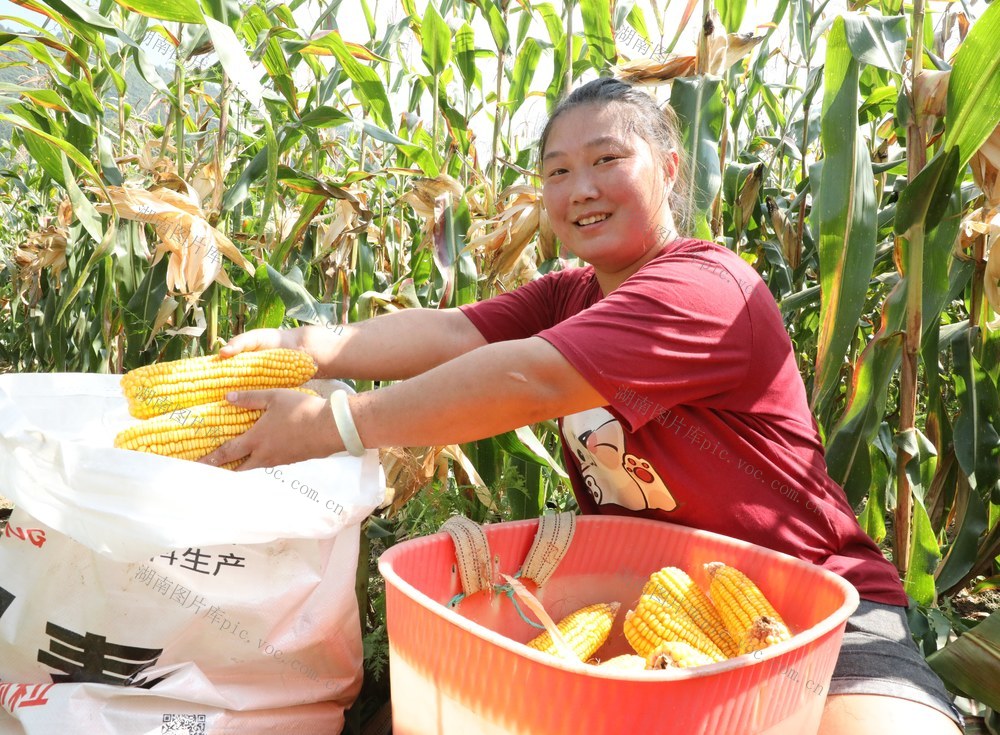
(712, 46)
(409, 470)
(425, 193)
(195, 247)
(986, 167)
(644, 71)
(516, 225)
(45, 248)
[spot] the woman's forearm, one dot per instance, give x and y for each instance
(392, 346)
(488, 391)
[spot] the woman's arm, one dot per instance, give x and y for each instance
(389, 347)
(487, 391)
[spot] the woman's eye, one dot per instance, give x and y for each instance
(556, 172)
(608, 157)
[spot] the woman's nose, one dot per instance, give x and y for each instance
(583, 187)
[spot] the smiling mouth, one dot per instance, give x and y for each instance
(588, 221)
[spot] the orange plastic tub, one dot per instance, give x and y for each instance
(463, 671)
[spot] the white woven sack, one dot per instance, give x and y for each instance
(141, 594)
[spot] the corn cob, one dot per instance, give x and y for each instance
(676, 655)
(584, 630)
(625, 662)
(677, 591)
(751, 620)
(168, 386)
(652, 622)
(191, 433)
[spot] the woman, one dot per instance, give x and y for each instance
(668, 362)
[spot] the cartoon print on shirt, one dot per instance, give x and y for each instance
(597, 441)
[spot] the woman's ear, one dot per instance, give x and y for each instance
(671, 162)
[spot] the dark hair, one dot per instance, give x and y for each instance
(657, 125)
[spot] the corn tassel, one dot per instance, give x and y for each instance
(676, 655)
(677, 591)
(169, 386)
(584, 630)
(652, 623)
(751, 620)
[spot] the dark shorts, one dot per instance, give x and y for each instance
(879, 656)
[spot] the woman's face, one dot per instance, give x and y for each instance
(605, 191)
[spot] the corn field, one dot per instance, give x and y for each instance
(322, 163)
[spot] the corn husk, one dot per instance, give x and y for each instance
(425, 196)
(517, 224)
(985, 165)
(44, 248)
(644, 71)
(408, 470)
(194, 247)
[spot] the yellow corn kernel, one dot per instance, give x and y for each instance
(189, 433)
(168, 386)
(584, 630)
(742, 605)
(676, 655)
(676, 589)
(625, 662)
(652, 623)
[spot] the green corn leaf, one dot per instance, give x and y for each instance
(731, 12)
(964, 549)
(846, 210)
(524, 71)
(877, 41)
(971, 664)
(465, 55)
(926, 198)
(924, 550)
(494, 18)
(599, 32)
(299, 303)
(974, 87)
(435, 41)
(977, 443)
(365, 81)
(72, 153)
(270, 308)
(698, 102)
(180, 11)
(324, 117)
(847, 454)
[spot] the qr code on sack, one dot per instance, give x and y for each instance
(183, 725)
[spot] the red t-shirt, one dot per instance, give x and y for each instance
(707, 423)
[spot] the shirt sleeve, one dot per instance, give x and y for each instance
(518, 314)
(670, 334)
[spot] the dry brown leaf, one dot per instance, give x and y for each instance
(195, 247)
(930, 95)
(424, 193)
(986, 168)
(45, 248)
(516, 225)
(986, 222)
(741, 45)
(205, 181)
(644, 71)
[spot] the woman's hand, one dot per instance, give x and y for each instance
(263, 339)
(294, 427)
